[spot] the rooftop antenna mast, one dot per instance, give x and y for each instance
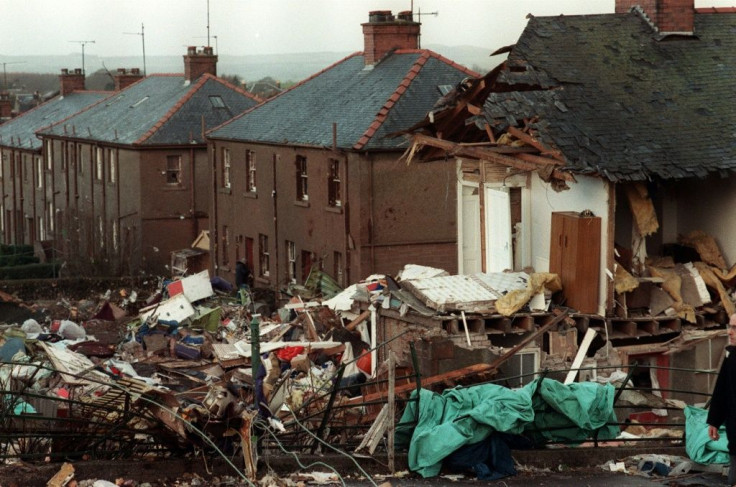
(419, 14)
(5, 73)
(208, 24)
(83, 43)
(143, 42)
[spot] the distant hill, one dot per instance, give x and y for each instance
(283, 67)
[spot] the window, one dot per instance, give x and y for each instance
(338, 267)
(77, 158)
(39, 173)
(216, 101)
(333, 183)
(101, 229)
(173, 169)
(115, 242)
(291, 257)
(111, 173)
(50, 216)
(226, 168)
(2, 219)
(301, 178)
(225, 245)
(250, 176)
(48, 155)
(41, 228)
(2, 164)
(64, 155)
(98, 163)
(25, 170)
(263, 255)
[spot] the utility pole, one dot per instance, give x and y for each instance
(5, 73)
(83, 43)
(143, 42)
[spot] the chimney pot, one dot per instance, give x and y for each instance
(191, 50)
(384, 33)
(406, 16)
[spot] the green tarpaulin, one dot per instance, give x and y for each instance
(544, 410)
(699, 447)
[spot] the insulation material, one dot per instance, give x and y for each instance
(514, 300)
(712, 280)
(706, 247)
(642, 209)
(624, 281)
(672, 284)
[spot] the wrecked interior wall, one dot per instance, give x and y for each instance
(706, 204)
(589, 193)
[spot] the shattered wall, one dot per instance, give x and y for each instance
(706, 204)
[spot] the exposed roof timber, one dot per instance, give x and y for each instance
(485, 154)
(523, 136)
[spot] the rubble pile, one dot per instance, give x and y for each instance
(171, 372)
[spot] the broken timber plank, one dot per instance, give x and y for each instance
(582, 351)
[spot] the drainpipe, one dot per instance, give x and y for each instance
(274, 196)
(346, 216)
(370, 220)
(192, 193)
(213, 225)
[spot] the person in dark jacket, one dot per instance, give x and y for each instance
(723, 402)
(243, 276)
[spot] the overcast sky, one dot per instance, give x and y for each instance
(242, 27)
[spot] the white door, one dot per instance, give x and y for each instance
(499, 256)
(470, 231)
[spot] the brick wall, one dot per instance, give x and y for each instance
(667, 15)
(676, 16)
(392, 258)
(197, 63)
(71, 81)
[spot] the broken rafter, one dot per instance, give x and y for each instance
(486, 154)
(528, 139)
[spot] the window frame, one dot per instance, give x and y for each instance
(99, 161)
(264, 256)
(291, 261)
(175, 171)
(226, 166)
(302, 179)
(250, 171)
(334, 184)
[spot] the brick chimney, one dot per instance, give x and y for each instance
(6, 107)
(197, 63)
(670, 16)
(384, 32)
(71, 81)
(124, 78)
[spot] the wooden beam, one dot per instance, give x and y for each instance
(535, 143)
(485, 154)
(546, 161)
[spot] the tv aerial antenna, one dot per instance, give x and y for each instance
(143, 43)
(83, 43)
(419, 14)
(5, 73)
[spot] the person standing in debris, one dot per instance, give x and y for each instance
(723, 402)
(243, 275)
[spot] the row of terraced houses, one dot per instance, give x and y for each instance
(113, 182)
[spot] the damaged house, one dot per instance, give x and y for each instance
(26, 199)
(320, 181)
(128, 179)
(601, 150)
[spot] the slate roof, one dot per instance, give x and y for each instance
(157, 110)
(367, 104)
(620, 101)
(20, 132)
